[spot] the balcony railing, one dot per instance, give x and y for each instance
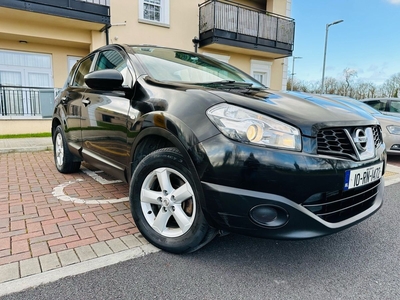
(234, 24)
(97, 11)
(101, 2)
(17, 101)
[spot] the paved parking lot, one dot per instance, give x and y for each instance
(49, 220)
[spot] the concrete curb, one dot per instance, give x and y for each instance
(32, 272)
(25, 144)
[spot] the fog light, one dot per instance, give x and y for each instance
(269, 215)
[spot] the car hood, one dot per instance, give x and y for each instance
(308, 113)
(390, 119)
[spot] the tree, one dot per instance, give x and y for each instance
(348, 74)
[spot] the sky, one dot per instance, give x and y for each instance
(367, 41)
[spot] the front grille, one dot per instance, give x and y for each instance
(340, 205)
(334, 141)
(377, 136)
(338, 141)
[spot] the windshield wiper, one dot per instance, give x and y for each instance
(226, 84)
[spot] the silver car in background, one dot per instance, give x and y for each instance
(388, 106)
(390, 123)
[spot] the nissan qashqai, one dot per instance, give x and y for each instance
(207, 149)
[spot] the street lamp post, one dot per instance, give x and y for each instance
(294, 58)
(326, 44)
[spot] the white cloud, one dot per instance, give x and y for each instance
(396, 2)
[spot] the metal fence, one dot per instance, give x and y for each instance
(102, 2)
(230, 17)
(26, 101)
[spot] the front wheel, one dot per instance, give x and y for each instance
(165, 202)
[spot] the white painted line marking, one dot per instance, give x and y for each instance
(58, 191)
(98, 178)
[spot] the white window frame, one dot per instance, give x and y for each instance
(25, 70)
(164, 14)
(72, 61)
(261, 66)
(223, 58)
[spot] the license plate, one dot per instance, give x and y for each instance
(360, 177)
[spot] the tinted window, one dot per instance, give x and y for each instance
(83, 69)
(377, 104)
(111, 59)
(394, 106)
(172, 65)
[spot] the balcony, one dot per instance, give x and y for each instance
(97, 11)
(26, 102)
(224, 23)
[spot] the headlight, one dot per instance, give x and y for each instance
(247, 126)
(393, 129)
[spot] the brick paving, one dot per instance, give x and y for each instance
(40, 232)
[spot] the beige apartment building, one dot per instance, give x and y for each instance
(40, 40)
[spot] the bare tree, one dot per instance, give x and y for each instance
(348, 74)
(351, 87)
(331, 85)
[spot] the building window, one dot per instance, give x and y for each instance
(261, 71)
(260, 76)
(25, 69)
(154, 12)
(72, 60)
(21, 73)
(151, 10)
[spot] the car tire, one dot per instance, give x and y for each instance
(165, 203)
(63, 158)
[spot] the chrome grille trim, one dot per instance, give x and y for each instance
(341, 205)
(338, 142)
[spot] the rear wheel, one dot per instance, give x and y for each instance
(165, 203)
(63, 158)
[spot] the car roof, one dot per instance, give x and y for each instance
(380, 98)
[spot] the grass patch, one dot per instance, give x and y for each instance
(25, 135)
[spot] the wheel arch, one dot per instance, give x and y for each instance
(54, 123)
(154, 138)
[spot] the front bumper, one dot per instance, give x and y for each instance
(241, 178)
(300, 223)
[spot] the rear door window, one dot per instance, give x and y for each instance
(394, 106)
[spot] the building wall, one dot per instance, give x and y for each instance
(58, 37)
(62, 37)
(183, 27)
(23, 126)
(59, 56)
(45, 34)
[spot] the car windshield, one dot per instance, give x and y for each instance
(165, 64)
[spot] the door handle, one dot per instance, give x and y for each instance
(86, 102)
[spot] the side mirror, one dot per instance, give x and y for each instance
(108, 79)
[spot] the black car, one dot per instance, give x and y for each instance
(207, 149)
